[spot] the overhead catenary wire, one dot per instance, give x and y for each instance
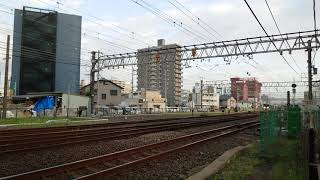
(35, 53)
(182, 25)
(264, 30)
(97, 23)
(106, 27)
(194, 31)
(99, 19)
(38, 50)
(162, 17)
(199, 19)
(172, 21)
(57, 61)
(195, 20)
(83, 51)
(31, 54)
(277, 26)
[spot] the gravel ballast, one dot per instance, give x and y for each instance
(22, 162)
(179, 166)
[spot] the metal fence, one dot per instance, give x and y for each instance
(279, 122)
(83, 112)
(27, 112)
(140, 110)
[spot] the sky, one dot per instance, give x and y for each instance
(123, 26)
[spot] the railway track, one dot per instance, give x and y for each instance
(109, 164)
(24, 131)
(38, 141)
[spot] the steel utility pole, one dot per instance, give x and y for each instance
(92, 73)
(201, 92)
(309, 50)
(133, 70)
(5, 94)
(98, 81)
(288, 99)
(165, 86)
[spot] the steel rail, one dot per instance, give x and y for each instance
(63, 133)
(42, 137)
(100, 174)
(87, 126)
(46, 144)
(68, 168)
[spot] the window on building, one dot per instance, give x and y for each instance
(113, 92)
(95, 91)
(103, 96)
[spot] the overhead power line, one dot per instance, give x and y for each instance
(195, 21)
(100, 19)
(85, 34)
(199, 19)
(47, 60)
(97, 23)
(172, 21)
(264, 30)
(83, 50)
(275, 22)
(39, 53)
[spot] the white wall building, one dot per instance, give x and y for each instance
(146, 99)
(209, 99)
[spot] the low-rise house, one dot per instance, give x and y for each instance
(106, 93)
(146, 100)
(227, 101)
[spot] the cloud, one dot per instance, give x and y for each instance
(221, 8)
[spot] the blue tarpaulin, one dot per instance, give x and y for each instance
(44, 103)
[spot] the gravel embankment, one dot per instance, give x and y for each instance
(22, 162)
(179, 166)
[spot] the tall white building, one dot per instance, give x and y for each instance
(161, 70)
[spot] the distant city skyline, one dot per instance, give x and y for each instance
(131, 27)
